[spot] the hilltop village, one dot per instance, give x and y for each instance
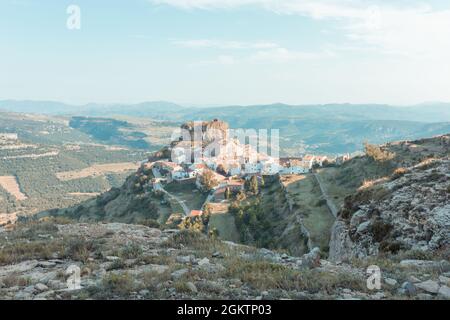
(225, 164)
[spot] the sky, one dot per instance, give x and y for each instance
(222, 52)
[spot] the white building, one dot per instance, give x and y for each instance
(234, 169)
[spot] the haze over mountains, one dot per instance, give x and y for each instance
(425, 112)
(329, 129)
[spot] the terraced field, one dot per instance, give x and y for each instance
(10, 184)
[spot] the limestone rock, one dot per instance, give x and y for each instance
(428, 286)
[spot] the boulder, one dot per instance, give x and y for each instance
(409, 288)
(41, 287)
(444, 291)
(179, 273)
(311, 259)
(191, 286)
(428, 286)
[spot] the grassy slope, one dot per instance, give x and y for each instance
(306, 196)
(224, 223)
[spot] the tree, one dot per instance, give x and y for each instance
(227, 193)
(214, 233)
(262, 183)
(208, 180)
(240, 196)
(221, 169)
(254, 185)
(377, 153)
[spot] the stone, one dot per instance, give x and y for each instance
(144, 292)
(184, 259)
(148, 268)
(41, 287)
(179, 273)
(30, 289)
(414, 279)
(358, 217)
(112, 258)
(217, 254)
(363, 227)
(203, 262)
(45, 295)
(444, 291)
(46, 264)
(409, 288)
(18, 268)
(378, 296)
(444, 280)
(22, 295)
(311, 259)
(391, 282)
(428, 286)
(284, 256)
(57, 285)
(57, 261)
(346, 290)
(424, 296)
(191, 286)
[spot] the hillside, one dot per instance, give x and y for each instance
(397, 218)
(47, 164)
(407, 210)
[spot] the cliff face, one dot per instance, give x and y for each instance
(409, 210)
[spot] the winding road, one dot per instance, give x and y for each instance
(159, 187)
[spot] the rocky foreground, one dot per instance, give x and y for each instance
(38, 260)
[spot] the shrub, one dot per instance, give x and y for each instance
(377, 153)
(79, 249)
(187, 238)
(380, 230)
(121, 284)
(399, 172)
(14, 280)
(131, 251)
(391, 246)
(21, 251)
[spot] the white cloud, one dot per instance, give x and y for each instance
(220, 44)
(282, 55)
(414, 29)
(259, 51)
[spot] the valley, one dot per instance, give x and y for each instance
(45, 163)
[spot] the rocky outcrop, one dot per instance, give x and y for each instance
(206, 131)
(408, 211)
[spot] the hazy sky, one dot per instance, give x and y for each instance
(226, 51)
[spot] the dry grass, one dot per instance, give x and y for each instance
(97, 170)
(22, 251)
(263, 275)
(11, 185)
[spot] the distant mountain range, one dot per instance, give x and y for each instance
(331, 128)
(426, 112)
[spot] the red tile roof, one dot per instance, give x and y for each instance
(196, 213)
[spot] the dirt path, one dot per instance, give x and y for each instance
(159, 187)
